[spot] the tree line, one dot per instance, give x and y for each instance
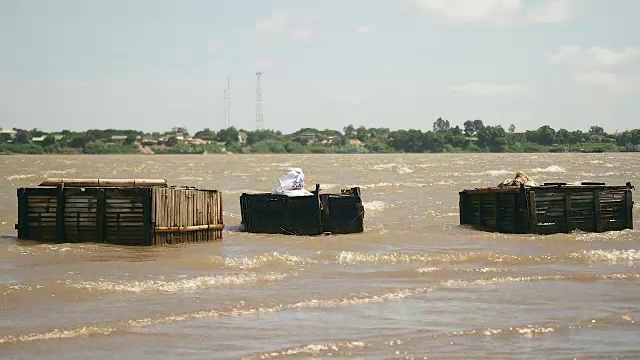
(472, 136)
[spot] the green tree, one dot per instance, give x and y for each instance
(349, 131)
(441, 125)
(492, 138)
(130, 140)
(229, 135)
(471, 128)
(205, 134)
(22, 137)
(49, 140)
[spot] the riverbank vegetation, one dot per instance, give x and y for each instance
(472, 136)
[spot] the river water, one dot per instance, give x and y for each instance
(415, 284)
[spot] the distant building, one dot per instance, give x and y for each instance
(10, 133)
(201, 141)
(39, 138)
(147, 141)
(355, 142)
(118, 138)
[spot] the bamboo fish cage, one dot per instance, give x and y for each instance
(549, 208)
(140, 212)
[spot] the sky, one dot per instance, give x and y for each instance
(157, 64)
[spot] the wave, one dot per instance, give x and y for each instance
(184, 285)
(313, 350)
(256, 261)
(363, 298)
(550, 169)
(526, 331)
(473, 270)
(494, 173)
(15, 177)
(609, 256)
(348, 257)
(384, 166)
(83, 331)
(374, 206)
(402, 170)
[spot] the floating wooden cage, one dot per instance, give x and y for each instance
(548, 209)
(303, 215)
(125, 212)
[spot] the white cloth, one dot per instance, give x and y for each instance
(291, 183)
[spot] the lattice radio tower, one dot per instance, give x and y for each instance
(259, 114)
(227, 104)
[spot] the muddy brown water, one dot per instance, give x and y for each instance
(415, 284)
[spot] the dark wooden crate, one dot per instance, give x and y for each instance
(303, 215)
(123, 216)
(548, 209)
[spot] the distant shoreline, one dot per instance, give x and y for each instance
(328, 153)
(473, 137)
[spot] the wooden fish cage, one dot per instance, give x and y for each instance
(116, 211)
(549, 208)
(303, 215)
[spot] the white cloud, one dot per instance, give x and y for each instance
(602, 79)
(579, 58)
(497, 12)
(264, 63)
(606, 68)
(554, 11)
(276, 23)
(354, 99)
(302, 34)
(280, 24)
(217, 47)
(490, 90)
(364, 29)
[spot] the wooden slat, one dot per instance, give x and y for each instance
(533, 216)
(597, 211)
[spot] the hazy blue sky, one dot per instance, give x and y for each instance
(155, 64)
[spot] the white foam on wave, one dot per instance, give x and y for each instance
(314, 350)
(526, 331)
(610, 256)
(374, 206)
(402, 170)
(252, 262)
(398, 168)
(363, 298)
(349, 257)
(494, 172)
(473, 270)
(373, 186)
(83, 331)
(185, 285)
(383, 166)
(550, 169)
(56, 172)
(16, 177)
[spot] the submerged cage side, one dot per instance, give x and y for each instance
(281, 214)
(494, 209)
(342, 213)
(587, 208)
(110, 215)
